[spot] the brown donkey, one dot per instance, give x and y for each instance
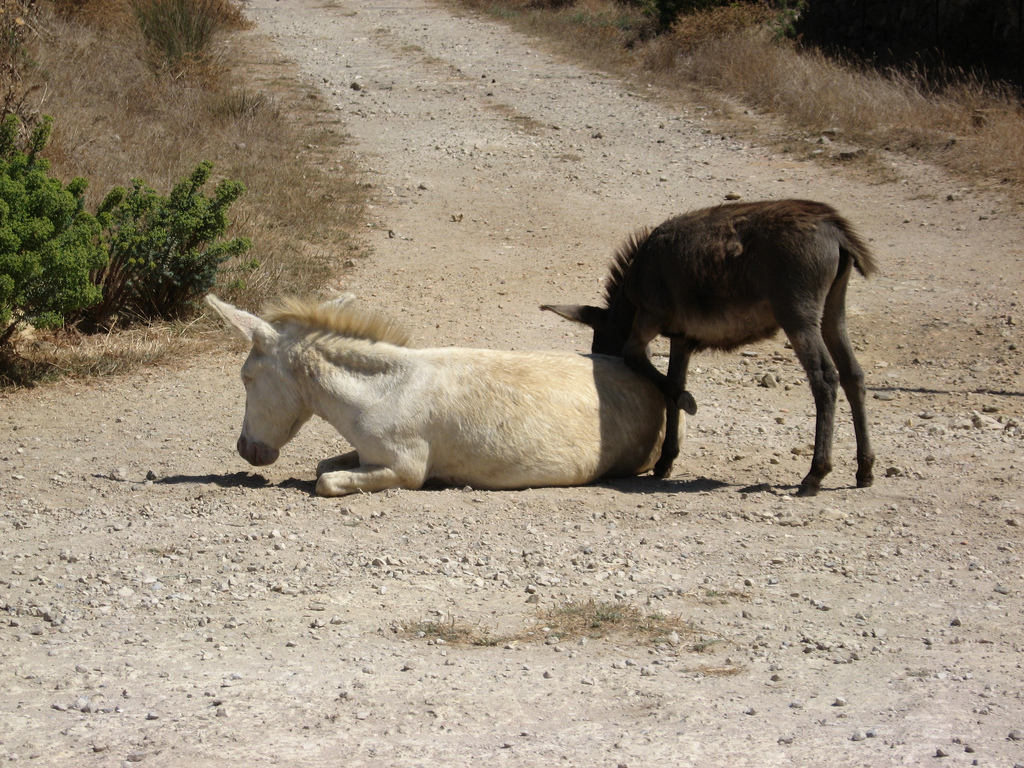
(731, 275)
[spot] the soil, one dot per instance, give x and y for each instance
(166, 605)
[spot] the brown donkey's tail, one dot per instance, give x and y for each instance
(852, 246)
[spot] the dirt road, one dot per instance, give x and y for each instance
(166, 606)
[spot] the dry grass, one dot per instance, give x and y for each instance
(571, 621)
(736, 53)
(118, 118)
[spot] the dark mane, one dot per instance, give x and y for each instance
(339, 320)
(624, 257)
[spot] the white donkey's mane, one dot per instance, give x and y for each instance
(338, 320)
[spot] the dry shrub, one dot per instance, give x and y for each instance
(692, 29)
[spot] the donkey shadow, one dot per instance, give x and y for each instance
(237, 480)
(643, 485)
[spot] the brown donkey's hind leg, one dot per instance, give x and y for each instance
(851, 376)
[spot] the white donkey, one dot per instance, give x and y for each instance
(488, 419)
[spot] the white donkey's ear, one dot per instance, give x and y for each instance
(253, 328)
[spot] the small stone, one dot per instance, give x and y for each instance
(858, 736)
(1016, 735)
(153, 715)
(940, 752)
(787, 739)
(839, 702)
(136, 757)
(548, 674)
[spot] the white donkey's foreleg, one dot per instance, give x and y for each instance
(364, 479)
(348, 460)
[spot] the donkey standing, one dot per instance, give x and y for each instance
(478, 417)
(731, 275)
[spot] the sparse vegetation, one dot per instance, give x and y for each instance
(121, 114)
(730, 54)
(571, 621)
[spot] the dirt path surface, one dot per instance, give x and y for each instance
(165, 606)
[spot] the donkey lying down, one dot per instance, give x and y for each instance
(488, 419)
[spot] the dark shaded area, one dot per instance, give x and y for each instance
(983, 37)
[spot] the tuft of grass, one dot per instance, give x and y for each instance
(450, 631)
(571, 621)
(182, 32)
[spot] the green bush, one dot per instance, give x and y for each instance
(163, 251)
(48, 244)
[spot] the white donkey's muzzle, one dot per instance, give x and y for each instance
(256, 453)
